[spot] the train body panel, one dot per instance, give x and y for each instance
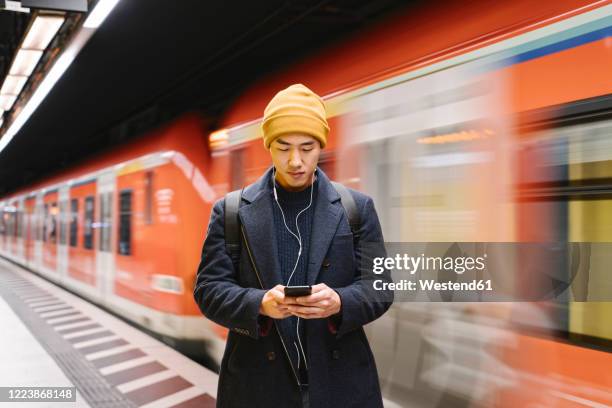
(422, 37)
(119, 230)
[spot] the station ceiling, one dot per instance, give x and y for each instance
(152, 60)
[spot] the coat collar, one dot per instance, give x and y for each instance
(256, 216)
(264, 184)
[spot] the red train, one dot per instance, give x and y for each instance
(465, 121)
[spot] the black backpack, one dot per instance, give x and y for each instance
(232, 222)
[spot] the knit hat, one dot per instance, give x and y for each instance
(295, 109)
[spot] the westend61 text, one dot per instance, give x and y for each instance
(431, 284)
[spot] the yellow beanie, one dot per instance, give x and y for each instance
(295, 109)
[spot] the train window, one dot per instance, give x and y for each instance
(572, 185)
(125, 221)
(63, 208)
(36, 222)
(88, 228)
(149, 197)
(15, 222)
(105, 221)
(6, 222)
(33, 224)
(44, 222)
(53, 212)
(6, 219)
(74, 220)
(20, 221)
(237, 169)
(10, 219)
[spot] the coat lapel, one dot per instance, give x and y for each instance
(256, 217)
(327, 214)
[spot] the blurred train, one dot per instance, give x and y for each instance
(465, 121)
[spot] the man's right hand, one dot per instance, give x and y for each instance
(273, 303)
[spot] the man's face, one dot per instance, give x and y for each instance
(295, 157)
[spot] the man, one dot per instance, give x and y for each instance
(310, 350)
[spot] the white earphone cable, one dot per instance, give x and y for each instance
(297, 236)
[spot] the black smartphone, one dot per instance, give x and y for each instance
(295, 291)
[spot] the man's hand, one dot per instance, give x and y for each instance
(274, 304)
(322, 302)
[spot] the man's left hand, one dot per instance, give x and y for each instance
(322, 302)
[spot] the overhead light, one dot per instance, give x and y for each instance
(54, 74)
(42, 31)
(25, 61)
(99, 13)
(93, 21)
(14, 6)
(60, 5)
(7, 101)
(13, 84)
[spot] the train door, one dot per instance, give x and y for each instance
(139, 253)
(38, 229)
(105, 262)
(9, 222)
(2, 227)
(64, 216)
(81, 256)
(12, 227)
(20, 229)
(50, 233)
(29, 229)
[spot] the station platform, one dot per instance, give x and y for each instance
(52, 338)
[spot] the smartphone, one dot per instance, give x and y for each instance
(295, 291)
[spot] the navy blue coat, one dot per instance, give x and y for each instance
(256, 370)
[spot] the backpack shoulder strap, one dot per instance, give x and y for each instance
(232, 227)
(350, 208)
